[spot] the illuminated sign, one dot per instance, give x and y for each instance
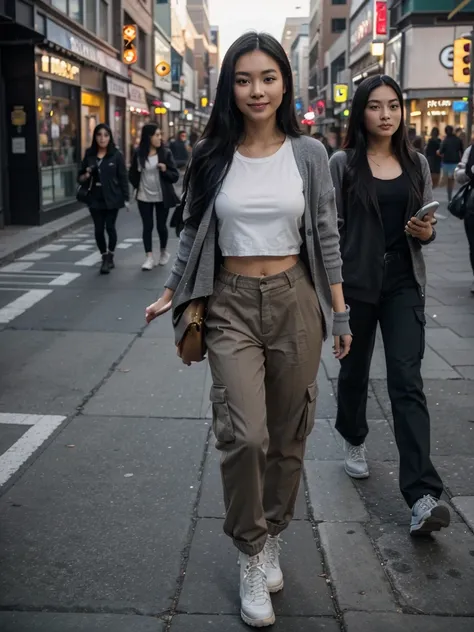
(60, 68)
(340, 92)
(444, 103)
(380, 19)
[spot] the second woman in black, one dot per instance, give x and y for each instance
(381, 182)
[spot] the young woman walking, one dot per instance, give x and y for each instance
(152, 174)
(104, 165)
(432, 154)
(381, 182)
(261, 241)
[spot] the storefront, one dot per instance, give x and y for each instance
(92, 104)
(368, 29)
(424, 114)
(58, 99)
(432, 99)
(117, 93)
(139, 114)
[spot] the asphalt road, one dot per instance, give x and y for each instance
(110, 498)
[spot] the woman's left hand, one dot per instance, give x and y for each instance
(419, 229)
(342, 346)
(162, 166)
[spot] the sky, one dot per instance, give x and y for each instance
(234, 17)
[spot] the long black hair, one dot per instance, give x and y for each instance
(360, 183)
(213, 154)
(148, 131)
(94, 148)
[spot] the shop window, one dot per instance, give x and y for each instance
(338, 25)
(142, 49)
(75, 10)
(40, 24)
(91, 15)
(60, 4)
(58, 134)
(104, 20)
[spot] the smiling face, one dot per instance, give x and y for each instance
(258, 86)
(102, 138)
(383, 112)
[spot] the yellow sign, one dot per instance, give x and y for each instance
(60, 67)
(162, 69)
(341, 91)
(204, 102)
(18, 116)
(160, 110)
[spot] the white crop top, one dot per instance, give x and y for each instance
(260, 206)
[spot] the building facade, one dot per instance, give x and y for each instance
(299, 57)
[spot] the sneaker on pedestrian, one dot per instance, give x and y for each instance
(256, 607)
(428, 515)
(271, 554)
(164, 257)
(105, 267)
(355, 462)
(149, 263)
(110, 256)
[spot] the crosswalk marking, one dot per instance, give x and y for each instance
(65, 278)
(42, 427)
(20, 305)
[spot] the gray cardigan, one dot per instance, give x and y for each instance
(192, 275)
(338, 165)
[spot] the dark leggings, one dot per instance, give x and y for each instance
(105, 220)
(146, 212)
(469, 226)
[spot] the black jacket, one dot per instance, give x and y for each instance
(179, 151)
(167, 178)
(113, 176)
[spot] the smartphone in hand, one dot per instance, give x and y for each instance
(427, 209)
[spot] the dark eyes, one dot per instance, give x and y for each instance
(242, 82)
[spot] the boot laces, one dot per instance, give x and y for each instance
(256, 578)
(357, 452)
(272, 549)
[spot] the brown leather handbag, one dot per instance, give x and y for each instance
(189, 331)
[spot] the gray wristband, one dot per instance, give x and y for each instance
(340, 325)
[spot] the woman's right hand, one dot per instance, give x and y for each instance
(159, 307)
(86, 175)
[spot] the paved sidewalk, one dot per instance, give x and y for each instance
(115, 522)
(16, 241)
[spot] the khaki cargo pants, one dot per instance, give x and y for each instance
(264, 337)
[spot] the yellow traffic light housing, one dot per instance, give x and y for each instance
(462, 60)
(129, 34)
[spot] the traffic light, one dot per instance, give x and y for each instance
(462, 60)
(129, 34)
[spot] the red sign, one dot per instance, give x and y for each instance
(381, 17)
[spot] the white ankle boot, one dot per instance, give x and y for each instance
(271, 554)
(256, 605)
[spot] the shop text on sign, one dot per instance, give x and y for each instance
(439, 104)
(60, 68)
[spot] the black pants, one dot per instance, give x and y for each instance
(146, 212)
(105, 220)
(400, 312)
(469, 226)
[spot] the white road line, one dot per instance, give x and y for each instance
(90, 260)
(19, 419)
(124, 246)
(17, 266)
(21, 450)
(52, 248)
(65, 278)
(21, 274)
(133, 240)
(81, 248)
(35, 256)
(21, 304)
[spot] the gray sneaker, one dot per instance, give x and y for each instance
(355, 462)
(428, 515)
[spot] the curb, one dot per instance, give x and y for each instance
(42, 240)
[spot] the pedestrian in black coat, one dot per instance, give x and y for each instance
(104, 188)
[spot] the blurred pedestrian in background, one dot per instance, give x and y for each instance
(433, 157)
(451, 151)
(179, 149)
(260, 195)
(380, 185)
(152, 174)
(322, 139)
(465, 173)
(103, 178)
